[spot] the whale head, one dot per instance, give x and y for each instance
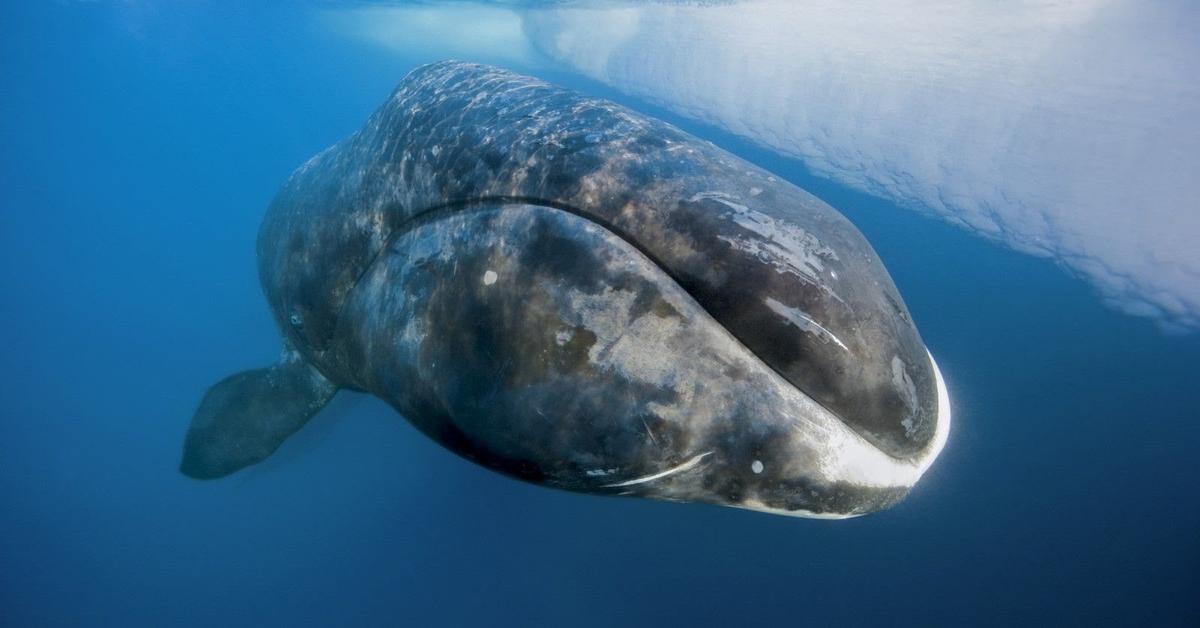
(547, 346)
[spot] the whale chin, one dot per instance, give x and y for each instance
(541, 344)
(906, 472)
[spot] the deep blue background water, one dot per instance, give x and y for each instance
(138, 149)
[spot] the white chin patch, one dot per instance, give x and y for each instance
(853, 460)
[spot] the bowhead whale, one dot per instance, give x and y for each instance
(578, 295)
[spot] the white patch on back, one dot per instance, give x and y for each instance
(805, 322)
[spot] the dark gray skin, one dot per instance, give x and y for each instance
(577, 295)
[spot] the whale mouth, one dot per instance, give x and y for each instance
(813, 303)
(551, 349)
(764, 324)
(438, 212)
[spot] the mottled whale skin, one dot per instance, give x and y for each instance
(581, 296)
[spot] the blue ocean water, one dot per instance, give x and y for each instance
(141, 144)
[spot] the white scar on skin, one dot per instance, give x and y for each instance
(662, 474)
(804, 322)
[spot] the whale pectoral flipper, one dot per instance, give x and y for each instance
(245, 417)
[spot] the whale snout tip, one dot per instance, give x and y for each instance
(885, 485)
(829, 473)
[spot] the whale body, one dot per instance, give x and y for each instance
(577, 295)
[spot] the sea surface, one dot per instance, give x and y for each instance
(140, 143)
